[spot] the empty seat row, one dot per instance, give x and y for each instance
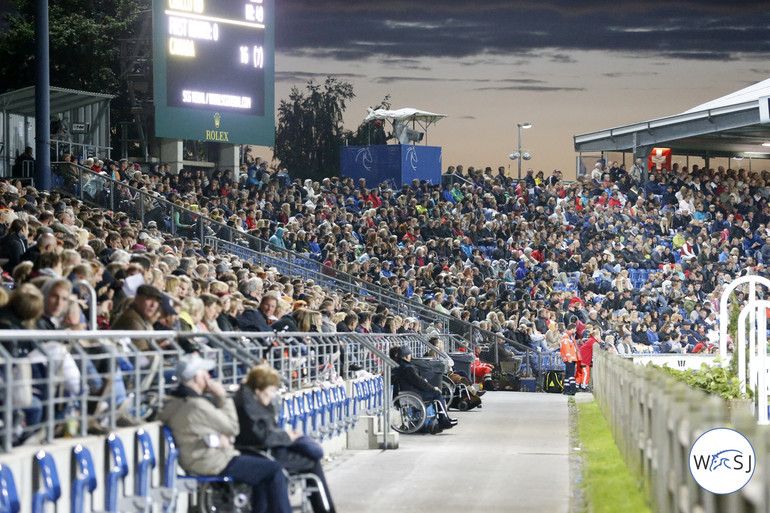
(84, 480)
(323, 413)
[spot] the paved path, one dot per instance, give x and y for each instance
(510, 456)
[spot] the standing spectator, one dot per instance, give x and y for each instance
(569, 354)
(587, 359)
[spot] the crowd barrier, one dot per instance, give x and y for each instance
(655, 420)
(67, 470)
(55, 384)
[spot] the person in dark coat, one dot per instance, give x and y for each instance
(15, 244)
(259, 431)
(256, 320)
(408, 379)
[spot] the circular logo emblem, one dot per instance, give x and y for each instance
(722, 461)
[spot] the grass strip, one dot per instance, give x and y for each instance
(608, 485)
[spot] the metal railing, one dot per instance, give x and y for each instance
(655, 420)
(57, 383)
(105, 192)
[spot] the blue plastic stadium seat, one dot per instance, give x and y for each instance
(145, 466)
(47, 482)
(286, 414)
(9, 497)
(117, 470)
(181, 483)
(83, 480)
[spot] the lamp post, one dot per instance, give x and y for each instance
(518, 155)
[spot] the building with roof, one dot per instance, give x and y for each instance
(734, 125)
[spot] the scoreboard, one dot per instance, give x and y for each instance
(214, 70)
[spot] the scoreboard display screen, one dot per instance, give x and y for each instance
(214, 70)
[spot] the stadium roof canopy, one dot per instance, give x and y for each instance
(22, 101)
(735, 125)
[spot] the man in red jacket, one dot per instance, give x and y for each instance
(583, 374)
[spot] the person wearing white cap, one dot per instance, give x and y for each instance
(204, 431)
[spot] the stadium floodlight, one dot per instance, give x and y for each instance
(766, 143)
(517, 154)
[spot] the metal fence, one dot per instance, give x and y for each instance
(655, 421)
(55, 384)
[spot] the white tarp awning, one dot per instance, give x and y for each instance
(404, 115)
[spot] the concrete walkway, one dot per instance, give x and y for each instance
(510, 456)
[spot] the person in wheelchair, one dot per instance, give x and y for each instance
(204, 422)
(406, 377)
(260, 432)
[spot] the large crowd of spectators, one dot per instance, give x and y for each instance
(637, 259)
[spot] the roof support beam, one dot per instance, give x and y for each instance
(649, 135)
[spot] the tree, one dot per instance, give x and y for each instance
(363, 135)
(309, 132)
(85, 38)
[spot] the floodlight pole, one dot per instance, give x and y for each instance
(520, 126)
(519, 150)
(42, 99)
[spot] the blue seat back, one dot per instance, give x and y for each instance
(145, 464)
(47, 482)
(117, 470)
(311, 413)
(83, 477)
(172, 455)
(300, 414)
(9, 497)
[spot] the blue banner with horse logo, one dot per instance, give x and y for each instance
(395, 164)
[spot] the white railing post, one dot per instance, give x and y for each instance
(724, 318)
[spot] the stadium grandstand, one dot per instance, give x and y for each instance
(120, 273)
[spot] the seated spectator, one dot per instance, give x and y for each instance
(259, 431)
(204, 423)
(141, 314)
(407, 378)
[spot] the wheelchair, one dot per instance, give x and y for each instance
(456, 395)
(409, 413)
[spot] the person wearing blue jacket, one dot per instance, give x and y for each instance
(277, 238)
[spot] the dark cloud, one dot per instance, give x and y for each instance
(702, 56)
(403, 29)
(388, 79)
(304, 76)
(413, 64)
(562, 58)
(618, 74)
(536, 89)
(466, 117)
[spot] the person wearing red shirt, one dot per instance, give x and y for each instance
(583, 373)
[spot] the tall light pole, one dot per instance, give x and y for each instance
(518, 155)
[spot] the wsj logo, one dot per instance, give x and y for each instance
(729, 459)
(722, 461)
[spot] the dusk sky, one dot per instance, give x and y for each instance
(567, 67)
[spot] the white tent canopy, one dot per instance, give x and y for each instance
(405, 115)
